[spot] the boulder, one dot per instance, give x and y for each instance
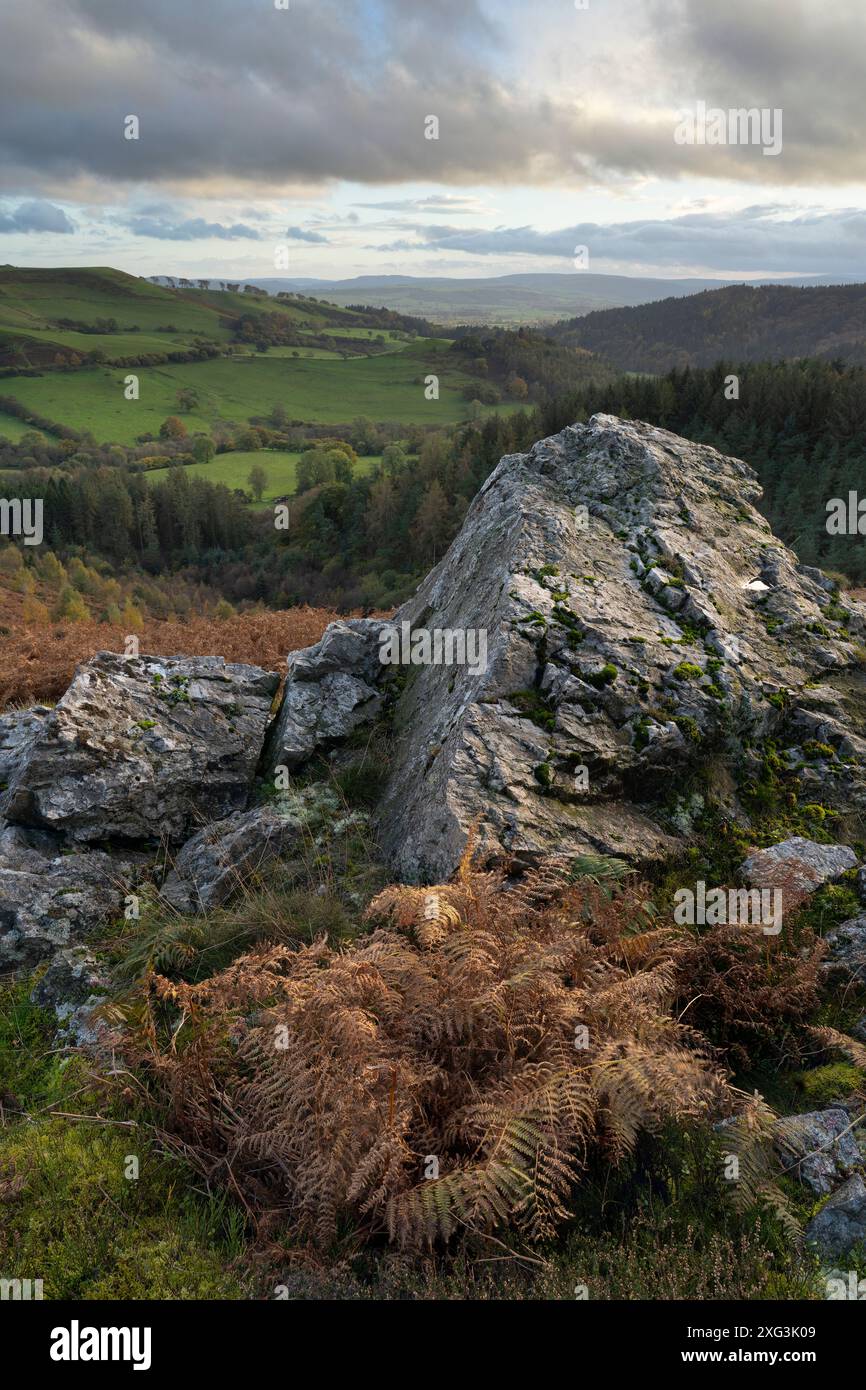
(222, 856)
(847, 949)
(840, 1225)
(606, 574)
(797, 864)
(331, 689)
(142, 747)
(73, 986)
(51, 899)
(819, 1148)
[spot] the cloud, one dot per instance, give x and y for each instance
(314, 238)
(765, 239)
(434, 202)
(340, 89)
(193, 229)
(36, 216)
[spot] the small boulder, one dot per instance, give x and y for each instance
(840, 1225)
(331, 688)
(847, 949)
(222, 856)
(73, 986)
(140, 747)
(819, 1147)
(797, 864)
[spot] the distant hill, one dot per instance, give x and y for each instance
(500, 300)
(49, 317)
(508, 301)
(740, 322)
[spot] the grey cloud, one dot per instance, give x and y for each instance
(314, 238)
(193, 229)
(756, 240)
(36, 216)
(317, 92)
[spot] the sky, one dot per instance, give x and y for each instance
(333, 138)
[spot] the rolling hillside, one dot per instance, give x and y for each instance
(738, 323)
(224, 358)
(504, 300)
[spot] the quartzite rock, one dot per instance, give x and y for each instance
(610, 569)
(17, 728)
(841, 1222)
(818, 1147)
(144, 747)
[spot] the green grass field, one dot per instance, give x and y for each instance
(13, 428)
(316, 391)
(234, 469)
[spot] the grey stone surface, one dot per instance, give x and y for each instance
(800, 864)
(142, 747)
(331, 689)
(50, 899)
(73, 986)
(840, 1225)
(17, 728)
(819, 1147)
(222, 856)
(847, 949)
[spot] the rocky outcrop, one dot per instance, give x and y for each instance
(142, 747)
(613, 612)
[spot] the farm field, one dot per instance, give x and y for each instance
(233, 470)
(317, 391)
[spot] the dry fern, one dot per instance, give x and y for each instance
(454, 1070)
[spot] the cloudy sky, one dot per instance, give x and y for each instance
(291, 136)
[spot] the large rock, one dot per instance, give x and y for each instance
(331, 688)
(613, 610)
(49, 899)
(223, 856)
(143, 746)
(840, 1225)
(612, 570)
(797, 864)
(819, 1147)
